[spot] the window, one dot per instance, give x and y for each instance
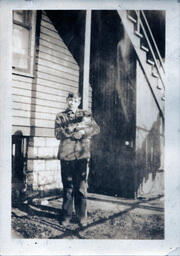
(23, 42)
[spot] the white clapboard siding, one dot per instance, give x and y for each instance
(44, 123)
(59, 45)
(51, 90)
(63, 62)
(62, 81)
(48, 32)
(46, 116)
(38, 131)
(67, 70)
(21, 106)
(58, 73)
(56, 47)
(34, 114)
(33, 107)
(24, 79)
(21, 92)
(48, 25)
(22, 121)
(36, 101)
(49, 39)
(44, 17)
(20, 84)
(46, 53)
(52, 34)
(39, 95)
(49, 103)
(54, 85)
(56, 41)
(50, 97)
(40, 102)
(21, 99)
(60, 54)
(18, 88)
(22, 113)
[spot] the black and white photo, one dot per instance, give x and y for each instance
(114, 61)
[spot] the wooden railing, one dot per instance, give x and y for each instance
(142, 27)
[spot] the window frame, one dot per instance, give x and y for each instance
(29, 72)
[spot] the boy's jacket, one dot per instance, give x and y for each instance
(74, 145)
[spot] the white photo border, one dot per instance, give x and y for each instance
(10, 246)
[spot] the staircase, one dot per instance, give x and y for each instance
(139, 32)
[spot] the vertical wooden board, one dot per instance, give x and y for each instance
(90, 99)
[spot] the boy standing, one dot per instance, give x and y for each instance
(74, 128)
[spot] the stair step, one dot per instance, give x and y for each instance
(154, 81)
(150, 62)
(132, 19)
(143, 57)
(159, 87)
(144, 48)
(155, 74)
(157, 90)
(137, 33)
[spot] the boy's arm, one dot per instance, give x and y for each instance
(60, 128)
(90, 130)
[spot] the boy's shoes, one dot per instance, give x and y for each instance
(66, 222)
(83, 222)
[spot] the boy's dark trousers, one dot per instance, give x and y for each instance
(74, 179)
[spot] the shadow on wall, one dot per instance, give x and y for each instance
(120, 170)
(113, 80)
(71, 28)
(148, 169)
(112, 164)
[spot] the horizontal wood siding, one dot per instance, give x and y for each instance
(21, 96)
(36, 101)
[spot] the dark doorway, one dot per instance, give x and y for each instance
(113, 106)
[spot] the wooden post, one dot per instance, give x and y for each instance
(86, 60)
(138, 22)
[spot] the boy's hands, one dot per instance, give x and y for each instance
(78, 135)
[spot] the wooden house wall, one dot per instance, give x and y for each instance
(37, 100)
(126, 155)
(149, 140)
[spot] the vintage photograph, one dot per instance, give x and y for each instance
(88, 121)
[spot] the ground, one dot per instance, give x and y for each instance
(108, 218)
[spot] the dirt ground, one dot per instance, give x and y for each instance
(108, 218)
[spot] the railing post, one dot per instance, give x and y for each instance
(153, 40)
(150, 48)
(138, 21)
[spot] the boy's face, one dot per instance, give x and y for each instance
(73, 103)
